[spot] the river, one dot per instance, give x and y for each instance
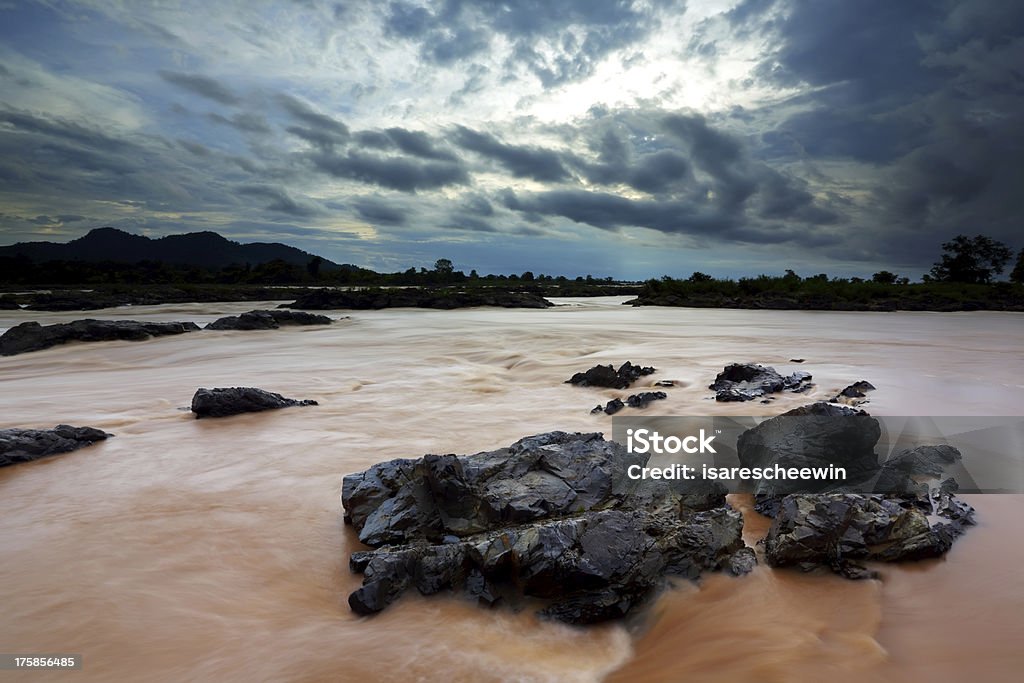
(215, 550)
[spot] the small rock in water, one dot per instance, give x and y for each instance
(796, 360)
(641, 400)
(749, 381)
(23, 445)
(665, 383)
(32, 336)
(855, 394)
(607, 376)
(221, 402)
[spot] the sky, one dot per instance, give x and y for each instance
(617, 138)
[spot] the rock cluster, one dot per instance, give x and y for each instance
(607, 376)
(221, 402)
(22, 445)
(641, 400)
(552, 517)
(267, 320)
(32, 336)
(414, 297)
(748, 381)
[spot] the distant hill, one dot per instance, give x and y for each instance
(202, 249)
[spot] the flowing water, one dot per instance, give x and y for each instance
(214, 549)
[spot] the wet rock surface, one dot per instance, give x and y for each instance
(904, 508)
(412, 297)
(608, 377)
(31, 336)
(221, 402)
(641, 400)
(749, 381)
(23, 445)
(267, 320)
(553, 517)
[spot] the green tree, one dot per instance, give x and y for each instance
(699, 277)
(971, 259)
(884, 277)
(1017, 275)
(313, 267)
(443, 266)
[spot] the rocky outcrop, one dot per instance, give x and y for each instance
(222, 402)
(748, 381)
(553, 517)
(838, 530)
(414, 297)
(896, 510)
(32, 336)
(8, 304)
(607, 376)
(641, 400)
(22, 445)
(267, 320)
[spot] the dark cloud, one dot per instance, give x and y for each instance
(321, 124)
(280, 201)
(379, 210)
(396, 173)
(521, 161)
(203, 86)
(195, 148)
(243, 121)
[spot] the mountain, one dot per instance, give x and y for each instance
(203, 249)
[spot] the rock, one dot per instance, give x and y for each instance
(748, 381)
(552, 517)
(32, 336)
(642, 399)
(817, 435)
(665, 383)
(796, 360)
(8, 304)
(267, 320)
(853, 393)
(22, 445)
(607, 376)
(613, 406)
(222, 402)
(415, 297)
(838, 529)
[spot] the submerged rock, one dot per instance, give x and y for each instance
(22, 445)
(32, 336)
(553, 516)
(613, 406)
(415, 297)
(749, 381)
(222, 402)
(607, 376)
(267, 320)
(643, 399)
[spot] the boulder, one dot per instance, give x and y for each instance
(817, 435)
(22, 445)
(552, 517)
(32, 336)
(749, 381)
(222, 402)
(643, 399)
(607, 376)
(838, 530)
(267, 320)
(8, 304)
(855, 394)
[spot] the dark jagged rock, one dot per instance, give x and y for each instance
(607, 376)
(613, 406)
(839, 529)
(22, 445)
(553, 516)
(32, 336)
(796, 360)
(222, 402)
(854, 393)
(817, 435)
(267, 320)
(8, 304)
(643, 399)
(414, 297)
(748, 381)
